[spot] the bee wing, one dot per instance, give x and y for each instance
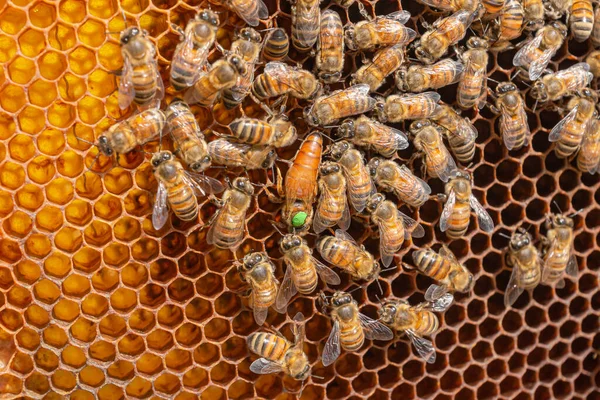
(343, 235)
(160, 212)
(415, 101)
(186, 51)
(287, 290)
(424, 347)
(325, 198)
(447, 211)
(160, 86)
(590, 148)
(332, 348)
(513, 291)
(250, 11)
(283, 74)
(441, 304)
(401, 16)
(466, 130)
(435, 292)
(327, 274)
(256, 156)
(312, 10)
(485, 221)
(438, 5)
(445, 252)
(386, 255)
(126, 91)
(582, 68)
(442, 171)
(354, 93)
(539, 65)
(260, 314)
(203, 184)
(572, 267)
(298, 329)
(556, 132)
(477, 73)
(210, 236)
(406, 175)
(412, 227)
(374, 330)
(263, 366)
(511, 141)
(344, 223)
(388, 137)
(389, 24)
(484, 91)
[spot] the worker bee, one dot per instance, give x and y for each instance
(384, 63)
(472, 87)
(368, 133)
(510, 24)
(332, 207)
(459, 202)
(394, 226)
(556, 8)
(493, 7)
(581, 19)
(558, 250)
(569, 132)
(416, 321)
(588, 158)
(343, 252)
(514, 126)
(595, 36)
(247, 46)
(552, 87)
(534, 14)
(350, 327)
(451, 5)
(177, 188)
(383, 31)
(444, 33)
(459, 131)
(191, 54)
(189, 141)
(536, 54)
(360, 186)
(227, 225)
(277, 45)
(302, 272)
(400, 180)
(306, 16)
(279, 79)
(330, 56)
(231, 154)
(251, 11)
(419, 78)
(340, 104)
(278, 354)
(451, 275)
(593, 59)
(277, 132)
(259, 272)
(223, 74)
(428, 141)
(526, 263)
(140, 79)
(398, 108)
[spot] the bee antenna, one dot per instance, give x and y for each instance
(493, 80)
(535, 105)
(380, 288)
(517, 72)
(576, 212)
(355, 289)
(557, 206)
(274, 223)
(504, 235)
(317, 376)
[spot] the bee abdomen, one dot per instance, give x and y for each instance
(568, 144)
(182, 75)
(230, 234)
(277, 45)
(265, 298)
(267, 345)
(183, 202)
(306, 280)
(469, 91)
(431, 264)
(144, 83)
(428, 323)
(352, 337)
(582, 19)
(464, 150)
(250, 131)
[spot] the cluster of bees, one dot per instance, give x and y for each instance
(326, 185)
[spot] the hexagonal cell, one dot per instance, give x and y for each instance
(49, 218)
(46, 359)
(195, 378)
(73, 356)
(170, 316)
(149, 364)
(55, 336)
(139, 388)
(178, 359)
(206, 354)
(159, 340)
(110, 391)
(22, 363)
(21, 148)
(27, 271)
(83, 330)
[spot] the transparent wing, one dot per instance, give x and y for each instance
(412, 227)
(446, 169)
(307, 14)
(186, 51)
(439, 305)
(513, 291)
(510, 141)
(439, 5)
(298, 329)
(374, 330)
(424, 347)
(401, 16)
(350, 94)
(406, 175)
(521, 58)
(466, 130)
(485, 221)
(283, 74)
(263, 366)
(126, 91)
(260, 315)
(538, 66)
(385, 252)
(332, 348)
(287, 290)
(343, 235)
(416, 101)
(160, 86)
(384, 26)
(228, 153)
(344, 223)
(556, 132)
(250, 11)
(325, 201)
(445, 252)
(435, 292)
(210, 236)
(590, 146)
(447, 67)
(572, 267)
(256, 156)
(447, 211)
(577, 69)
(388, 137)
(160, 212)
(327, 274)
(203, 184)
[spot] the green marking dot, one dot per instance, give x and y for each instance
(299, 219)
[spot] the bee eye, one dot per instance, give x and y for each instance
(206, 159)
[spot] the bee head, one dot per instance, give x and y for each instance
(269, 159)
(201, 165)
(337, 150)
(350, 36)
(477, 43)
(310, 117)
(160, 157)
(251, 35)
(129, 34)
(250, 260)
(328, 168)
(560, 27)
(209, 16)
(506, 87)
(373, 164)
(401, 81)
(423, 55)
(457, 173)
(419, 125)
(341, 298)
(290, 241)
(299, 367)
(375, 201)
(104, 146)
(519, 240)
(387, 311)
(346, 129)
(243, 185)
(539, 91)
(559, 220)
(238, 64)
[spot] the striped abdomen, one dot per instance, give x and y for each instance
(277, 45)
(394, 234)
(459, 220)
(570, 139)
(432, 264)
(268, 345)
(400, 108)
(305, 24)
(264, 87)
(182, 122)
(301, 178)
(359, 183)
(331, 212)
(463, 148)
(471, 86)
(228, 228)
(385, 62)
(493, 6)
(426, 323)
(183, 201)
(352, 335)
(305, 276)
(511, 20)
(515, 128)
(139, 129)
(252, 131)
(530, 275)
(581, 19)
(182, 74)
(340, 253)
(437, 159)
(330, 59)
(265, 292)
(145, 82)
(442, 74)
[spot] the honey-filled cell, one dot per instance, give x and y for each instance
(42, 93)
(21, 148)
(41, 170)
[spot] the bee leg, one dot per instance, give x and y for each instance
(177, 29)
(215, 200)
(440, 196)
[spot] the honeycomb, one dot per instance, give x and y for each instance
(94, 303)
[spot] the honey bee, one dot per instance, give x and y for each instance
(340, 104)
(595, 36)
(588, 158)
(459, 131)
(247, 46)
(227, 225)
(416, 321)
(368, 133)
(330, 56)
(510, 24)
(526, 263)
(383, 31)
(394, 226)
(514, 126)
(251, 11)
(140, 79)
(400, 180)
(343, 252)
(452, 5)
(126, 135)
(278, 354)
(397, 108)
(581, 19)
(472, 87)
(569, 132)
(443, 33)
(428, 141)
(302, 272)
(536, 54)
(279, 79)
(558, 250)
(557, 8)
(419, 78)
(360, 185)
(191, 54)
(552, 87)
(451, 275)
(277, 132)
(231, 154)
(350, 327)
(223, 74)
(259, 271)
(306, 16)
(384, 63)
(301, 184)
(277, 45)
(593, 59)
(177, 188)
(493, 7)
(189, 141)
(534, 14)
(459, 202)
(332, 206)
